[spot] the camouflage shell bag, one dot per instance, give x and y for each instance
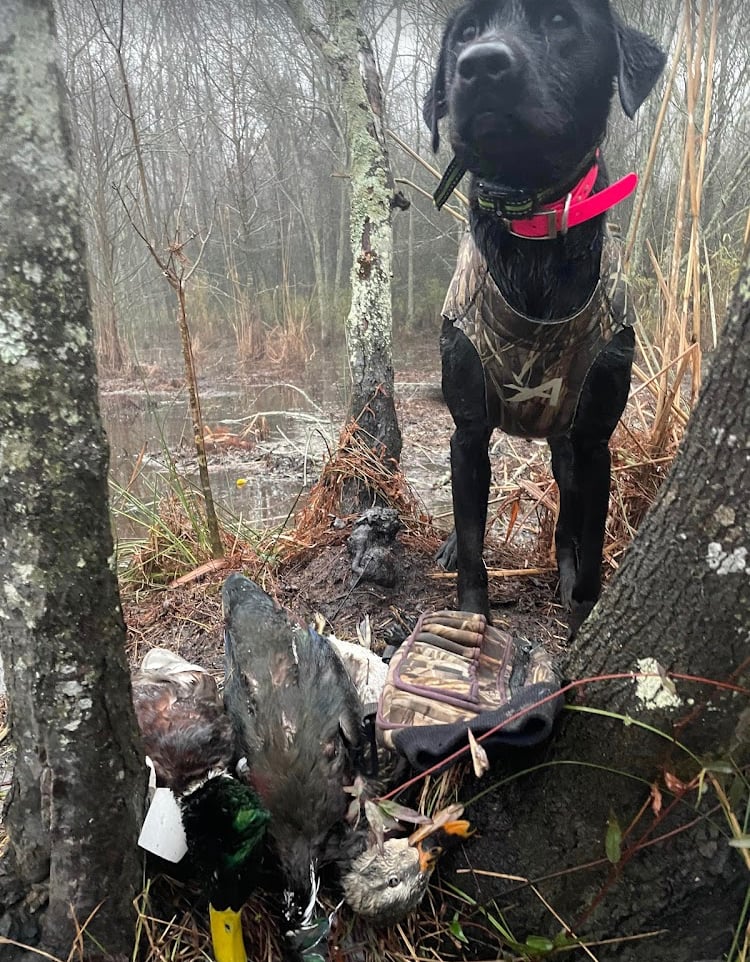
(456, 672)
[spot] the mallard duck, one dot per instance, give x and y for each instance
(189, 739)
(297, 718)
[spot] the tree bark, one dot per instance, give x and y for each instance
(369, 326)
(681, 604)
(411, 318)
(77, 793)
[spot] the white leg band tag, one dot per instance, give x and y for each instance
(162, 833)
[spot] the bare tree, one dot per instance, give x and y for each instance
(346, 51)
(174, 266)
(77, 793)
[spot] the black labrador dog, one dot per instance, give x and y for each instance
(537, 336)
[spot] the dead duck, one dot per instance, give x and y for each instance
(190, 741)
(297, 718)
(385, 883)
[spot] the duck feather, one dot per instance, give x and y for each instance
(180, 713)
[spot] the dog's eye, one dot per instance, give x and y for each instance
(468, 33)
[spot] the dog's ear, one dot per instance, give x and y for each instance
(641, 62)
(435, 105)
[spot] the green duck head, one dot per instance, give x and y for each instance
(225, 823)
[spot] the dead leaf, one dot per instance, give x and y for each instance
(666, 681)
(448, 814)
(514, 511)
(479, 758)
(376, 823)
(676, 785)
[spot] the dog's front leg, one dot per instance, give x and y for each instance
(464, 393)
(592, 462)
(470, 479)
(602, 401)
(569, 521)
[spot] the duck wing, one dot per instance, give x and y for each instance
(180, 713)
(297, 717)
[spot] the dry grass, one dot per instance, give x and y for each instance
(172, 924)
(290, 343)
(176, 544)
(220, 440)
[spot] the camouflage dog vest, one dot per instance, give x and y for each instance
(536, 368)
(456, 672)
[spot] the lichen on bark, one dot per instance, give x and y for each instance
(370, 323)
(347, 53)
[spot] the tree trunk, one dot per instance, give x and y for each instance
(102, 251)
(369, 327)
(321, 287)
(348, 53)
(341, 244)
(680, 603)
(104, 308)
(77, 792)
(411, 318)
(177, 281)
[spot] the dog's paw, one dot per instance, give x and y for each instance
(447, 554)
(577, 614)
(567, 569)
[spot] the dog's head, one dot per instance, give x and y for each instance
(528, 84)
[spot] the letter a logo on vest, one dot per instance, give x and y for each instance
(548, 391)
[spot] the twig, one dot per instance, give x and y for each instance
(496, 573)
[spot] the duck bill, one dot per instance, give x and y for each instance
(226, 935)
(431, 846)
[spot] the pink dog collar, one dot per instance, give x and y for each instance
(577, 206)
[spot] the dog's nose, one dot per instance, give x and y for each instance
(490, 60)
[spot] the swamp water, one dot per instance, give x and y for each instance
(285, 429)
